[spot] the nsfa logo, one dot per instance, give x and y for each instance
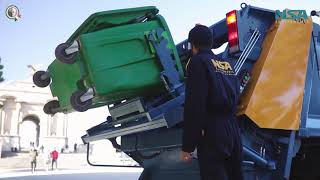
(222, 67)
(296, 15)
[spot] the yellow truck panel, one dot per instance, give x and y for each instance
(273, 97)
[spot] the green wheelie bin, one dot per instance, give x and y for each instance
(110, 58)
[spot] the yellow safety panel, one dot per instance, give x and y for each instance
(273, 97)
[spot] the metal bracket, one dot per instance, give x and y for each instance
(166, 107)
(289, 155)
(45, 76)
(260, 161)
(121, 111)
(314, 41)
(169, 71)
(88, 95)
(74, 47)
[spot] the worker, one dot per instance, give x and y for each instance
(210, 125)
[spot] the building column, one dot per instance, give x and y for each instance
(65, 125)
(43, 126)
(2, 121)
(7, 121)
(53, 125)
(19, 119)
(48, 123)
(15, 120)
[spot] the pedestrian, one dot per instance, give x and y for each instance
(46, 159)
(75, 148)
(54, 158)
(67, 148)
(33, 159)
(211, 98)
(42, 148)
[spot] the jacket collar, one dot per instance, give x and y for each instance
(205, 51)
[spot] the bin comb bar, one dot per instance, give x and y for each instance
(118, 131)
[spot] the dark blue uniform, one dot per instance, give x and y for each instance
(212, 93)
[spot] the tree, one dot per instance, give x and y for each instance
(1, 71)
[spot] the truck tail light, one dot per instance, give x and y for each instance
(232, 29)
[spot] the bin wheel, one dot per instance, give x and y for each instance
(76, 102)
(41, 82)
(51, 107)
(62, 56)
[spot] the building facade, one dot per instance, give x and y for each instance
(22, 103)
(23, 122)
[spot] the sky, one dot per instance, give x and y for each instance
(47, 23)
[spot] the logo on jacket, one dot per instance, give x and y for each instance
(222, 67)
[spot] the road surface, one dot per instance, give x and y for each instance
(72, 175)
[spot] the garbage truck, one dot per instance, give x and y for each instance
(127, 61)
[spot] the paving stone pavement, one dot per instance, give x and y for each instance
(71, 166)
(22, 160)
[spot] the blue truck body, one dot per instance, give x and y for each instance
(154, 141)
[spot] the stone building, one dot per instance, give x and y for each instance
(23, 122)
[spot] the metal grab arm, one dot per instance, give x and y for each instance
(104, 165)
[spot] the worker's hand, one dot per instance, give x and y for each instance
(185, 156)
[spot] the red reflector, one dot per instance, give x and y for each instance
(233, 39)
(232, 28)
